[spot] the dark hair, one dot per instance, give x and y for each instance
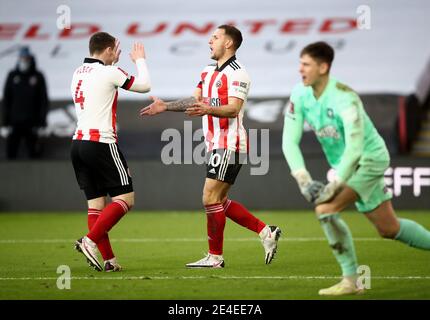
(234, 33)
(320, 51)
(99, 41)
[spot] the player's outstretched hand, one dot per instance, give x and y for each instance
(117, 51)
(329, 191)
(312, 190)
(156, 107)
(197, 110)
(137, 52)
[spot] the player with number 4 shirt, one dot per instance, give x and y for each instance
(99, 165)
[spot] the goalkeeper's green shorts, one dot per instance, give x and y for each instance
(368, 182)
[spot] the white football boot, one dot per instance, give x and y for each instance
(112, 265)
(269, 238)
(89, 249)
(345, 287)
(209, 261)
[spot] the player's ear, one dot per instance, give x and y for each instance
(324, 67)
(229, 43)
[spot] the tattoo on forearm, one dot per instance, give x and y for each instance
(181, 105)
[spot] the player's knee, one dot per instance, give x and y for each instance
(130, 204)
(129, 200)
(327, 208)
(388, 232)
(210, 198)
(324, 209)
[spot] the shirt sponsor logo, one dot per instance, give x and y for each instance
(214, 102)
(240, 84)
(327, 132)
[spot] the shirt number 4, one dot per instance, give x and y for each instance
(79, 98)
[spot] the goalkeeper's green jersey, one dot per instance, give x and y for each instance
(342, 126)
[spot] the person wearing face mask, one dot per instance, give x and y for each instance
(25, 105)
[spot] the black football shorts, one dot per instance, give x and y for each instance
(100, 169)
(224, 165)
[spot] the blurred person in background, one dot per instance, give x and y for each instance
(25, 105)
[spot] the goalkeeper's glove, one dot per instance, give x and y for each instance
(309, 188)
(329, 191)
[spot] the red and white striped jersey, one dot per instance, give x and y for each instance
(95, 92)
(217, 84)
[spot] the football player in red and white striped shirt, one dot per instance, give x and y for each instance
(99, 165)
(219, 99)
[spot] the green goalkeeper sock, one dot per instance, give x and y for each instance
(413, 234)
(340, 240)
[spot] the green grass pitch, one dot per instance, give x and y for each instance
(153, 248)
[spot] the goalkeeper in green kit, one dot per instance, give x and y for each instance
(355, 150)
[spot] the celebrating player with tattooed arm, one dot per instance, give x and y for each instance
(355, 150)
(219, 99)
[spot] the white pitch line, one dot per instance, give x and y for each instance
(293, 277)
(37, 241)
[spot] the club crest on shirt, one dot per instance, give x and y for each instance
(218, 84)
(330, 113)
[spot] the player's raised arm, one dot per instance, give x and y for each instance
(142, 83)
(292, 134)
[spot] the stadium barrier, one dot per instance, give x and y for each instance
(51, 185)
(141, 138)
